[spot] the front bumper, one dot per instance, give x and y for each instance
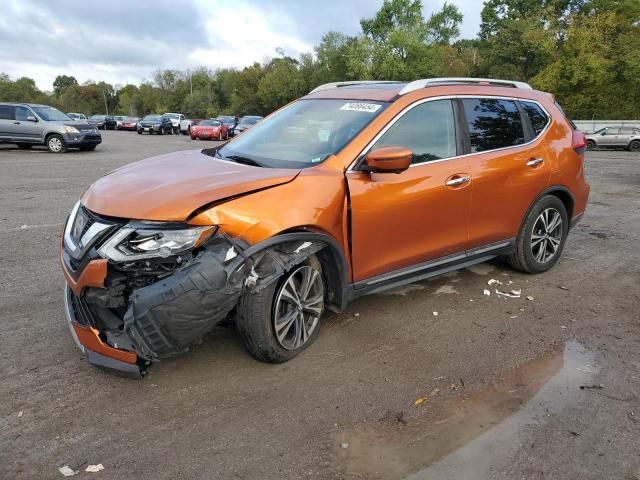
(80, 140)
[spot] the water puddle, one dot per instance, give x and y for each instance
(463, 436)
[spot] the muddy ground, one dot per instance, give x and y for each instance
(499, 378)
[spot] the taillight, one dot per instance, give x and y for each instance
(579, 142)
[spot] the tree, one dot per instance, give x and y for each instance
(62, 82)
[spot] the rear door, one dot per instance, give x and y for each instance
(6, 122)
(404, 219)
(509, 165)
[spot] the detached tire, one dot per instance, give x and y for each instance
(279, 322)
(56, 144)
(542, 236)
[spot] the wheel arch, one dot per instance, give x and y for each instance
(560, 191)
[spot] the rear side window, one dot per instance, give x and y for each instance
(493, 123)
(536, 115)
(6, 112)
(427, 129)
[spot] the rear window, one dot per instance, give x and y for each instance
(536, 115)
(493, 123)
(6, 112)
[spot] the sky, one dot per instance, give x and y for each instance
(125, 41)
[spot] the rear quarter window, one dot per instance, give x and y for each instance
(537, 116)
(6, 112)
(493, 123)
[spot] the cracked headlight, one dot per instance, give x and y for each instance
(70, 129)
(130, 244)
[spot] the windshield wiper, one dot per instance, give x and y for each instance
(243, 160)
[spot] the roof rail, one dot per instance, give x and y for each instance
(432, 82)
(328, 86)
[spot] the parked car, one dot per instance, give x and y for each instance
(230, 122)
(176, 120)
(209, 130)
(185, 125)
(27, 124)
(155, 124)
(269, 231)
(615, 137)
(128, 123)
(246, 122)
(102, 122)
(77, 116)
(119, 119)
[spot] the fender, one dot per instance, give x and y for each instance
(566, 193)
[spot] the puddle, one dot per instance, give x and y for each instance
(464, 435)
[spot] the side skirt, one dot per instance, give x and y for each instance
(432, 268)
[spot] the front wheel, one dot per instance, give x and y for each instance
(634, 146)
(542, 236)
(280, 321)
(56, 144)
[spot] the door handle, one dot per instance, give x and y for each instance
(458, 180)
(535, 162)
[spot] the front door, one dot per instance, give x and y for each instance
(398, 220)
(609, 138)
(25, 129)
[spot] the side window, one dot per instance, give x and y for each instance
(6, 112)
(536, 115)
(612, 131)
(427, 129)
(22, 113)
(493, 123)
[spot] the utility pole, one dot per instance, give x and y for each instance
(106, 107)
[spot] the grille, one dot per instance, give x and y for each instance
(83, 313)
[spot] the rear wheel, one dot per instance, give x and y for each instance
(591, 145)
(542, 236)
(280, 321)
(56, 144)
(24, 146)
(634, 146)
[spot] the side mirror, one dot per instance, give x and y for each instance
(389, 159)
(31, 118)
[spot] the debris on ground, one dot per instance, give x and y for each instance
(420, 400)
(94, 468)
(487, 292)
(591, 387)
(344, 445)
(561, 287)
(356, 314)
(67, 471)
(574, 433)
(563, 327)
(493, 281)
(20, 413)
(529, 297)
(509, 294)
(435, 314)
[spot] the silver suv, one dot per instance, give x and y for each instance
(27, 124)
(615, 137)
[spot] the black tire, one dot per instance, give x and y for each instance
(523, 258)
(24, 146)
(255, 319)
(139, 132)
(160, 132)
(56, 144)
(591, 145)
(634, 146)
(89, 148)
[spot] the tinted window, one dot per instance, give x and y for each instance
(6, 112)
(22, 113)
(493, 123)
(536, 115)
(427, 129)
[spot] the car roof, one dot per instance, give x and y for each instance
(25, 104)
(389, 91)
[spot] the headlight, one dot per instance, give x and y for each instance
(136, 244)
(70, 129)
(157, 125)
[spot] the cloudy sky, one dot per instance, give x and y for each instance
(122, 41)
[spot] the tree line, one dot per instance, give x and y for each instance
(586, 52)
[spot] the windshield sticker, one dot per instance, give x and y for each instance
(361, 107)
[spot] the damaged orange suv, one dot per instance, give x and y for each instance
(355, 188)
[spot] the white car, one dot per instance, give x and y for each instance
(176, 121)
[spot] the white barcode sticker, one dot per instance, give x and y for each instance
(361, 107)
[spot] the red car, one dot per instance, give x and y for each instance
(209, 130)
(127, 123)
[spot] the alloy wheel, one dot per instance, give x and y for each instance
(546, 235)
(55, 144)
(298, 307)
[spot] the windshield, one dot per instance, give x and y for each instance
(248, 121)
(152, 117)
(97, 117)
(210, 123)
(303, 134)
(50, 114)
(171, 115)
(226, 119)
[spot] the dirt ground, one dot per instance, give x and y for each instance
(487, 388)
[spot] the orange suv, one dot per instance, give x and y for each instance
(355, 188)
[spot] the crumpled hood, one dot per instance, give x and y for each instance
(171, 186)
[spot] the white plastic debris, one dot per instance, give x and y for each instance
(493, 281)
(356, 314)
(487, 292)
(529, 297)
(252, 278)
(67, 471)
(510, 294)
(344, 445)
(302, 247)
(435, 314)
(20, 413)
(231, 254)
(94, 468)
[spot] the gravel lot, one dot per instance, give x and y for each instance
(500, 376)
